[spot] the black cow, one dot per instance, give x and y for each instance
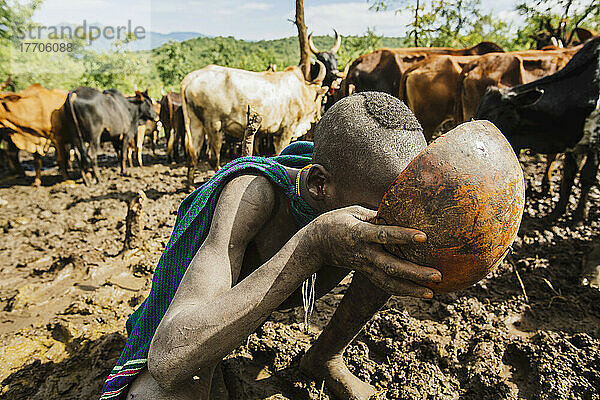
(106, 116)
(329, 59)
(555, 114)
(9, 154)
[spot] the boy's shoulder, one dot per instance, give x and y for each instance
(252, 190)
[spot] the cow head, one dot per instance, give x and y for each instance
(328, 58)
(145, 105)
(503, 108)
(320, 89)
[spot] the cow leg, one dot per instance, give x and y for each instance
(256, 144)
(216, 145)
(93, 152)
(587, 178)
(280, 142)
(83, 158)
(193, 145)
(590, 273)
(37, 162)
(139, 157)
(169, 130)
(129, 155)
(547, 179)
(125, 145)
(179, 147)
(116, 143)
(171, 146)
(154, 138)
(139, 145)
(62, 157)
(570, 167)
(215, 142)
(12, 155)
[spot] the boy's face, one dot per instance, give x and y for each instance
(357, 192)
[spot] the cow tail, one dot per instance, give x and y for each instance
(81, 146)
(459, 115)
(187, 139)
(402, 93)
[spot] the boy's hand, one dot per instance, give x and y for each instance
(345, 239)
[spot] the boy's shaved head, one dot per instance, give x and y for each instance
(365, 140)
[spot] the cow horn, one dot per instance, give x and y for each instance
(322, 71)
(162, 91)
(346, 69)
(312, 46)
(337, 44)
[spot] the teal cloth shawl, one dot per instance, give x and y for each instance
(191, 228)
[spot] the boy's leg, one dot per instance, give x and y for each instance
(145, 387)
(218, 388)
(324, 359)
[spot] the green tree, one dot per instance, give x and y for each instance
(15, 19)
(170, 63)
(454, 23)
(121, 69)
(557, 18)
(354, 46)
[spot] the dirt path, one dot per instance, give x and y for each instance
(66, 290)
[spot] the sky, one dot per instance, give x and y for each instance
(250, 20)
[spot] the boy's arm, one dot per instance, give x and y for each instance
(208, 318)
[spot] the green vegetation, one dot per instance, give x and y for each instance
(559, 17)
(455, 23)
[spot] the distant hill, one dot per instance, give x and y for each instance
(151, 40)
(257, 55)
(158, 39)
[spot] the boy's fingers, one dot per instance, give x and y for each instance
(399, 287)
(397, 268)
(363, 213)
(386, 234)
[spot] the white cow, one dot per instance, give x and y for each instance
(215, 100)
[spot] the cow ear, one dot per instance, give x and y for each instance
(138, 95)
(527, 98)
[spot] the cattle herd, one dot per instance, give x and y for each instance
(543, 100)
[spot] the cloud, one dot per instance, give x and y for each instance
(354, 18)
(105, 12)
(257, 6)
(253, 20)
(67, 5)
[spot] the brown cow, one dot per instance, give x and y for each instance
(584, 34)
(8, 83)
(507, 70)
(148, 128)
(381, 70)
(441, 88)
(34, 119)
(171, 117)
(430, 89)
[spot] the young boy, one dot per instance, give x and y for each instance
(246, 240)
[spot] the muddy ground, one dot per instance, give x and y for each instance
(66, 289)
